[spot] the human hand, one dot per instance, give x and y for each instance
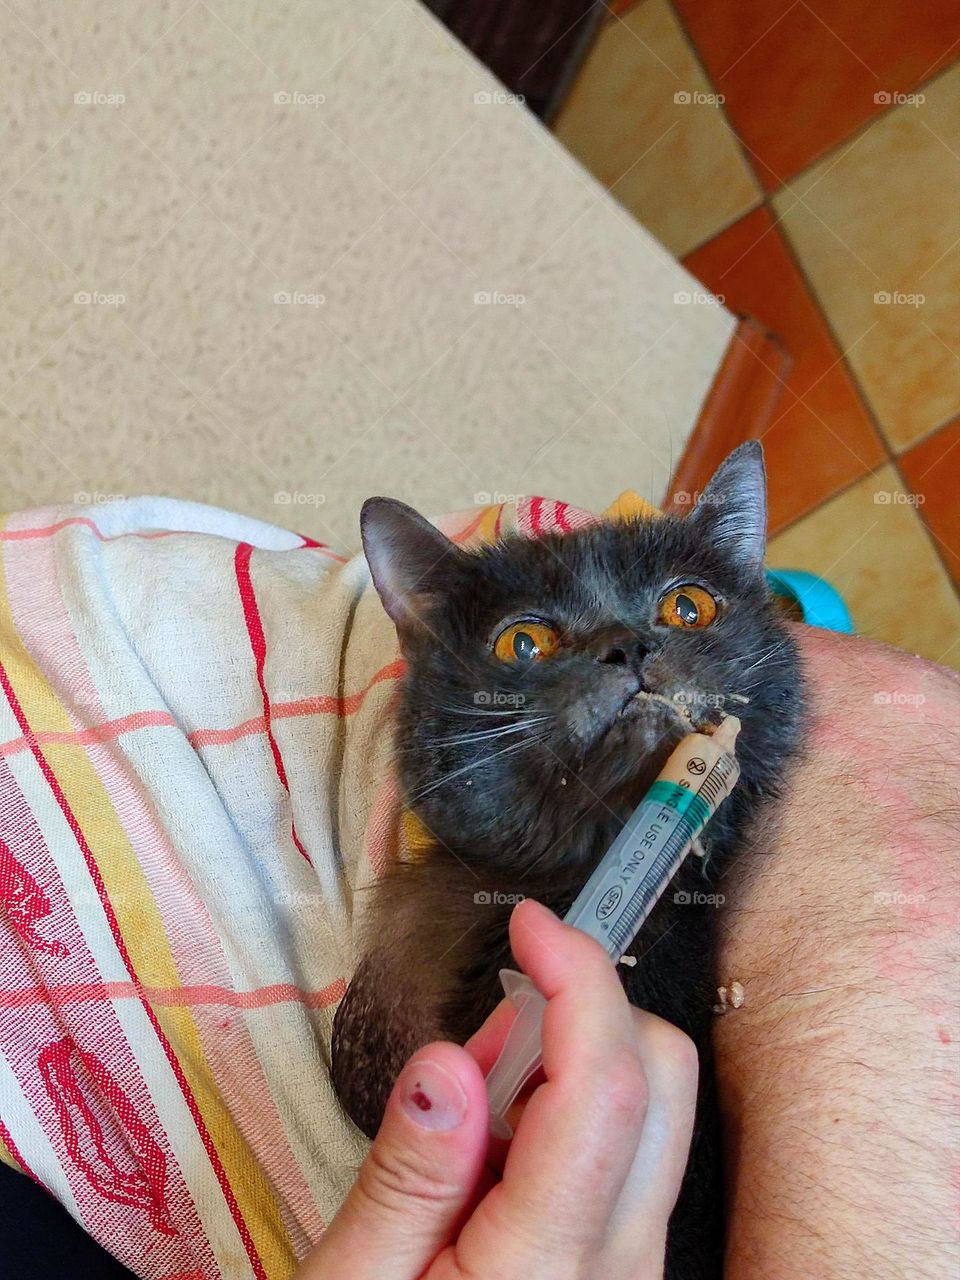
(594, 1166)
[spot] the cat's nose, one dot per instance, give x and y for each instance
(623, 650)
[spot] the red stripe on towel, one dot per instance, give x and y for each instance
(536, 506)
(48, 530)
(58, 995)
(98, 733)
(258, 643)
(175, 1066)
(108, 730)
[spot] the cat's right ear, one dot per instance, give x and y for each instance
(410, 562)
(732, 510)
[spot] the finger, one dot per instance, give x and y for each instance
(638, 1225)
(588, 1019)
(671, 1067)
(486, 1043)
(418, 1178)
(579, 1134)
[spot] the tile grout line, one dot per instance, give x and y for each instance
(937, 546)
(831, 147)
(831, 497)
(724, 227)
(928, 435)
(722, 107)
(767, 203)
(892, 456)
(863, 127)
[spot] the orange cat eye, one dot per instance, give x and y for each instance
(527, 641)
(687, 606)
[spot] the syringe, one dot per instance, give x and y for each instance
(620, 894)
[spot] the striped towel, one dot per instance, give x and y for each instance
(195, 715)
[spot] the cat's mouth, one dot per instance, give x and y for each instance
(688, 712)
(644, 700)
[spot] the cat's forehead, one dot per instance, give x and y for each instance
(611, 551)
(591, 572)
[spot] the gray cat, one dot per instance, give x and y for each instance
(547, 681)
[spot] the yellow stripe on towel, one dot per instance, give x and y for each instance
(142, 930)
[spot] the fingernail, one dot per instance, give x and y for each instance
(431, 1096)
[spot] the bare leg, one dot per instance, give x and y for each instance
(839, 1075)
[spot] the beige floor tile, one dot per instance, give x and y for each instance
(871, 544)
(877, 228)
(638, 120)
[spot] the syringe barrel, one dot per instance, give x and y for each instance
(620, 894)
(631, 876)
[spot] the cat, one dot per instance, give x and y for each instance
(525, 734)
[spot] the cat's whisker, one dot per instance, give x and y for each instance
(482, 735)
(761, 661)
(735, 660)
(474, 735)
(484, 711)
(768, 653)
(478, 735)
(473, 764)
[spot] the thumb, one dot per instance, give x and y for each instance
(417, 1179)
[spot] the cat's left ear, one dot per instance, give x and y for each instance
(410, 562)
(732, 510)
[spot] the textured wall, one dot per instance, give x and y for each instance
(322, 151)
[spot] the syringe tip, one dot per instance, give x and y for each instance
(725, 734)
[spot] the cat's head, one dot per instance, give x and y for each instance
(548, 678)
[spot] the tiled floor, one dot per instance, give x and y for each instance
(805, 163)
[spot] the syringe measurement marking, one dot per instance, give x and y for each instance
(623, 927)
(657, 877)
(715, 781)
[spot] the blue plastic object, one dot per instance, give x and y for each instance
(821, 604)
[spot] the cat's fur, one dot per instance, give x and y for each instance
(530, 810)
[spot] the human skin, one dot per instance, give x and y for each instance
(594, 1166)
(838, 1077)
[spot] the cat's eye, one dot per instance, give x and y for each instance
(526, 641)
(687, 606)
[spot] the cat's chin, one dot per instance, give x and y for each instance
(636, 744)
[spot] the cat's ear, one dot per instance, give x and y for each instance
(409, 561)
(732, 510)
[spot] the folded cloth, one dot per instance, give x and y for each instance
(195, 784)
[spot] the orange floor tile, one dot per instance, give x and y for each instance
(821, 438)
(932, 471)
(799, 77)
(850, 260)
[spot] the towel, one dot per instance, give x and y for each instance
(195, 783)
